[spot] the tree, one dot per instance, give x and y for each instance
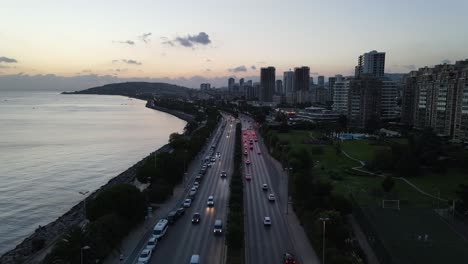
(383, 160)
(388, 183)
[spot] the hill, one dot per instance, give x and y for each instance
(138, 90)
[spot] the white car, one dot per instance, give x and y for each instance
(210, 201)
(196, 184)
(267, 221)
(265, 187)
(144, 256)
(187, 202)
(271, 197)
(151, 244)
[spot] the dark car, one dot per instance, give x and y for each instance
(172, 217)
(289, 258)
(196, 218)
(180, 212)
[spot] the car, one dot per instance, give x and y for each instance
(259, 152)
(209, 165)
(289, 258)
(145, 256)
(247, 162)
(213, 160)
(271, 197)
(256, 140)
(266, 221)
(196, 184)
(218, 154)
(210, 201)
(196, 218)
(248, 176)
(195, 259)
(172, 217)
(218, 227)
(152, 243)
(251, 147)
(223, 174)
(180, 211)
(160, 229)
(187, 202)
(245, 152)
(265, 187)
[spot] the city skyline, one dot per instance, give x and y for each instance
(145, 42)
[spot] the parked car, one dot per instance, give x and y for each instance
(145, 256)
(180, 212)
(152, 243)
(171, 217)
(187, 202)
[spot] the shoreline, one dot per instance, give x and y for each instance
(24, 251)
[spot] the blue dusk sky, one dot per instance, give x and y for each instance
(187, 42)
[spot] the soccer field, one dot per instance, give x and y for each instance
(417, 236)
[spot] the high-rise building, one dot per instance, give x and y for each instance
(331, 83)
(231, 82)
(389, 95)
(267, 84)
(364, 101)
(438, 98)
(288, 82)
(301, 84)
(241, 82)
(205, 86)
(371, 63)
(279, 87)
(321, 81)
(257, 90)
(340, 95)
(249, 82)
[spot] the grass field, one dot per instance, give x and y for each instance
(399, 231)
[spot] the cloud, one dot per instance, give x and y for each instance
(163, 54)
(129, 42)
(189, 41)
(241, 68)
(7, 60)
(115, 61)
(145, 37)
(208, 70)
(253, 67)
(208, 60)
(134, 62)
(261, 62)
(4, 67)
(445, 61)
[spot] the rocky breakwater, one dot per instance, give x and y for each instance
(43, 238)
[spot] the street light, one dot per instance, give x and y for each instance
(324, 220)
(287, 188)
(81, 253)
(84, 193)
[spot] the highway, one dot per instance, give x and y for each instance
(183, 239)
(264, 244)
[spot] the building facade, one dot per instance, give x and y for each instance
(340, 96)
(438, 98)
(301, 84)
(371, 63)
(364, 101)
(267, 83)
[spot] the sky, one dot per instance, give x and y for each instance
(187, 42)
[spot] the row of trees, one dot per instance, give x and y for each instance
(112, 214)
(235, 222)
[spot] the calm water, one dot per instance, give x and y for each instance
(52, 146)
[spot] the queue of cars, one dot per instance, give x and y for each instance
(161, 227)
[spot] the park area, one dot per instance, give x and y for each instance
(413, 234)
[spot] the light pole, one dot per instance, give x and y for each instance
(324, 220)
(81, 253)
(287, 189)
(84, 193)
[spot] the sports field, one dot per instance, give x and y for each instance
(417, 236)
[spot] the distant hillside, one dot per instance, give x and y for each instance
(138, 90)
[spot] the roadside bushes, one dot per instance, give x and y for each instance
(235, 222)
(112, 214)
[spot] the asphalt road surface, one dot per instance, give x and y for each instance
(264, 244)
(183, 239)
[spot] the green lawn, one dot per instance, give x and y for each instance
(446, 183)
(361, 149)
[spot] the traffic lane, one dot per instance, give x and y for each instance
(275, 239)
(186, 240)
(193, 169)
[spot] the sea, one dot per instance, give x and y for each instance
(54, 146)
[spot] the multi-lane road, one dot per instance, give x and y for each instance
(263, 244)
(183, 239)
